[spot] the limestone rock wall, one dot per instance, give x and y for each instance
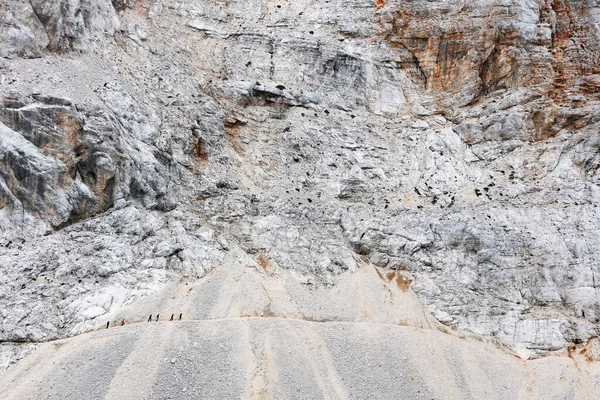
(31, 27)
(454, 141)
(63, 165)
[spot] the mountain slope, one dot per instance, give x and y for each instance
(451, 145)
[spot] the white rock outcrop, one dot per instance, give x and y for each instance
(455, 142)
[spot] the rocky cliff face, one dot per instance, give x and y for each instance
(454, 142)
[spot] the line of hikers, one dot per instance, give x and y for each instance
(158, 315)
(149, 319)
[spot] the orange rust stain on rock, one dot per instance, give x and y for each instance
(403, 283)
(571, 35)
(142, 7)
(379, 3)
(232, 134)
(263, 261)
(590, 350)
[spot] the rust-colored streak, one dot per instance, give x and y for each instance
(460, 53)
(142, 8)
(574, 54)
(403, 283)
(263, 260)
(232, 135)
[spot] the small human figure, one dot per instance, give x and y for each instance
(123, 322)
(172, 315)
(180, 315)
(157, 315)
(107, 324)
(150, 318)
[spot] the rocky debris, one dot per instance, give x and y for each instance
(253, 357)
(456, 143)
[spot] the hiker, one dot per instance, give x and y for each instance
(107, 324)
(172, 315)
(157, 315)
(123, 322)
(150, 318)
(180, 315)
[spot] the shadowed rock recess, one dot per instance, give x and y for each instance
(417, 176)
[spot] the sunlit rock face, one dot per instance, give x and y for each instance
(455, 142)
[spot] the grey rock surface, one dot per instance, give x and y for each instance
(454, 143)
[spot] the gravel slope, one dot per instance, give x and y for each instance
(263, 358)
(248, 333)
